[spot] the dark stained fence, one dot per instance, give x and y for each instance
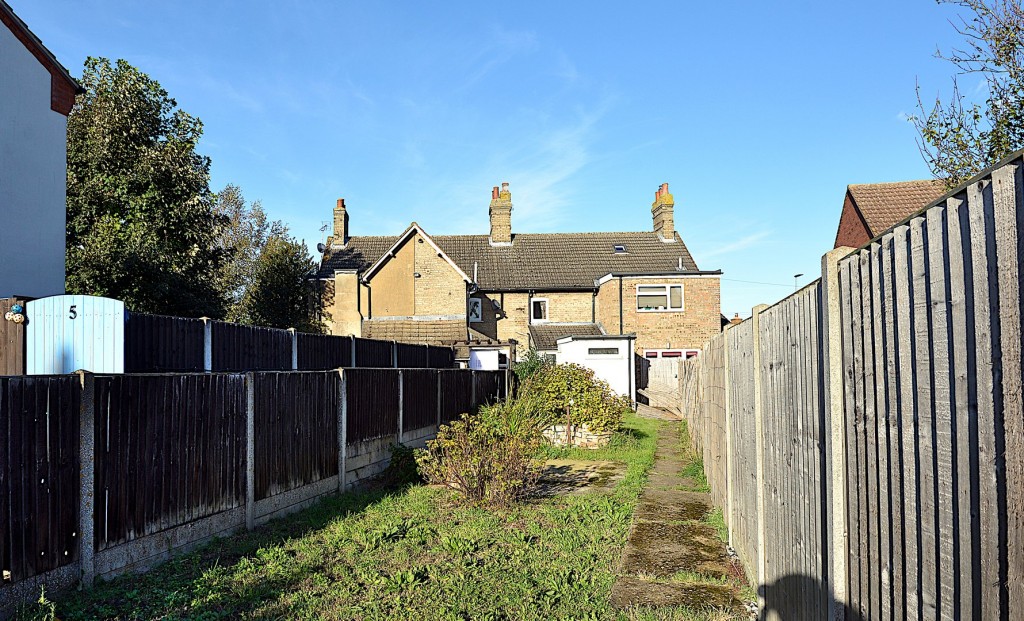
(295, 429)
(12, 340)
(372, 410)
(39, 466)
(419, 398)
(248, 348)
(156, 343)
(439, 357)
(456, 393)
(411, 356)
(320, 352)
(374, 354)
(488, 388)
(170, 449)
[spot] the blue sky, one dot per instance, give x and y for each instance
(757, 114)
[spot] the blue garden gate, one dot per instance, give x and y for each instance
(65, 333)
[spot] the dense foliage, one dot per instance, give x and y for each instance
(573, 395)
(140, 222)
(489, 458)
(958, 138)
(278, 294)
(531, 363)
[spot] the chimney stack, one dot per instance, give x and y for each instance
(662, 210)
(501, 216)
(340, 224)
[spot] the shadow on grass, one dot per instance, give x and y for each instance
(182, 587)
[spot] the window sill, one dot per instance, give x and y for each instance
(661, 310)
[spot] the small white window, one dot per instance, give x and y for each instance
(620, 249)
(476, 310)
(659, 297)
(538, 310)
(603, 351)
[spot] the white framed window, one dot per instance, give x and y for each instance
(538, 310)
(476, 310)
(671, 353)
(654, 298)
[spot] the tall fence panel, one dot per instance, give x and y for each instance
(713, 421)
(39, 464)
(456, 394)
(742, 516)
(319, 352)
(488, 387)
(248, 348)
(170, 449)
(793, 461)
(420, 395)
(371, 353)
(155, 343)
(295, 424)
(439, 357)
(373, 403)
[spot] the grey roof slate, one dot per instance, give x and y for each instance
(544, 336)
(534, 260)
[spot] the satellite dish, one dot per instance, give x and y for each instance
(321, 247)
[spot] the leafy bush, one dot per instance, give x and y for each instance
(531, 364)
(490, 458)
(590, 401)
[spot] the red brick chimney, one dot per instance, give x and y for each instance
(501, 216)
(340, 223)
(662, 209)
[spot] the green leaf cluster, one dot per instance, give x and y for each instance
(140, 220)
(572, 394)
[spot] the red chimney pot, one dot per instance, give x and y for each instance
(341, 203)
(494, 192)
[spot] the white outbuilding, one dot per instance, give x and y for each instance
(610, 356)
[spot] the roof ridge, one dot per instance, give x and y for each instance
(908, 182)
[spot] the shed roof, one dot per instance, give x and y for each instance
(545, 335)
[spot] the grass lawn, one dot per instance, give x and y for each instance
(405, 554)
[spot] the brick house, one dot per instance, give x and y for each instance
(870, 209)
(512, 291)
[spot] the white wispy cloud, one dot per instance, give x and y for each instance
(735, 246)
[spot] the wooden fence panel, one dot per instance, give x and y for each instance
(170, 449)
(714, 421)
(374, 354)
(488, 387)
(440, 357)
(295, 429)
(411, 356)
(155, 343)
(419, 397)
(12, 340)
(456, 398)
(372, 403)
(236, 347)
(39, 465)
(321, 352)
(745, 490)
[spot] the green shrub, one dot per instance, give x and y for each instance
(531, 364)
(488, 459)
(572, 394)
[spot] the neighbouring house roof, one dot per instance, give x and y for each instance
(544, 336)
(884, 205)
(540, 261)
(64, 86)
(418, 331)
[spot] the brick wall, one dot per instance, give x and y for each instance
(512, 319)
(440, 289)
(852, 230)
(690, 328)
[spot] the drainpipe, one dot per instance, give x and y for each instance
(620, 304)
(593, 307)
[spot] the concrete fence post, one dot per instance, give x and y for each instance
(730, 480)
(759, 446)
(352, 362)
(295, 349)
(394, 354)
(207, 344)
(342, 428)
(87, 479)
(401, 406)
(438, 398)
(250, 450)
(834, 432)
(472, 389)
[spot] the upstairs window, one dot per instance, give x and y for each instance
(659, 298)
(538, 310)
(620, 249)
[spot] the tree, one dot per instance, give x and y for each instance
(141, 225)
(959, 138)
(244, 236)
(279, 294)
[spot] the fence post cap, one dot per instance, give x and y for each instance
(290, 329)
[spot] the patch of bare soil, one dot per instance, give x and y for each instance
(572, 476)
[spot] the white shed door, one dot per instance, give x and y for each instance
(65, 333)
